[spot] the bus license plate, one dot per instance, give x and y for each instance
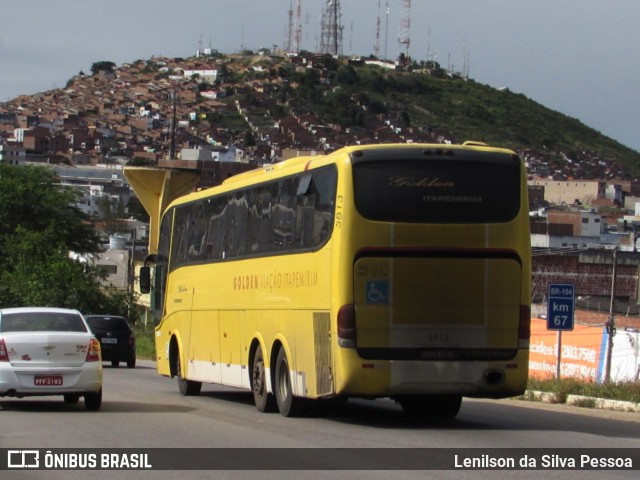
(47, 380)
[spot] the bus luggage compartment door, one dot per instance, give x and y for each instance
(437, 308)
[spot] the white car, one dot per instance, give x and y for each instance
(49, 351)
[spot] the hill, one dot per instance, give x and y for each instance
(264, 104)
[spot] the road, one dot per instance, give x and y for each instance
(144, 410)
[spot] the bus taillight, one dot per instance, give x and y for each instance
(524, 328)
(347, 326)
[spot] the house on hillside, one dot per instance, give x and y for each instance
(210, 75)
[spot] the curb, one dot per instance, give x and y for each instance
(603, 403)
(581, 401)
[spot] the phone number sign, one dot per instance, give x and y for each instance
(561, 307)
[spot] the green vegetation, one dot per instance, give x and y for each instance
(626, 391)
(432, 100)
(145, 346)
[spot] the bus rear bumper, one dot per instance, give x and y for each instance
(482, 379)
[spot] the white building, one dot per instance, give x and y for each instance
(208, 75)
(12, 154)
(206, 153)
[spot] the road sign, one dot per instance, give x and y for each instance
(561, 307)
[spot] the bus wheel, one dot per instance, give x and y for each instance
(187, 387)
(265, 402)
(288, 405)
(431, 406)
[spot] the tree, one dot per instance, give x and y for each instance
(32, 201)
(347, 74)
(39, 228)
(249, 139)
(102, 66)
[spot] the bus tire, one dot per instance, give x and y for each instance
(265, 402)
(430, 406)
(187, 388)
(288, 404)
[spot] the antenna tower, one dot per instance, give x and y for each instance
(297, 27)
(386, 31)
(289, 34)
(331, 29)
(200, 47)
(294, 29)
(376, 46)
(465, 65)
(405, 27)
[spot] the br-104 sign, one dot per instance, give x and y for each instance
(560, 307)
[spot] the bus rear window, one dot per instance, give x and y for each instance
(439, 190)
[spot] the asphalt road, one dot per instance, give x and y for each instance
(142, 410)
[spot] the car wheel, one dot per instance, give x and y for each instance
(115, 363)
(265, 402)
(93, 400)
(131, 363)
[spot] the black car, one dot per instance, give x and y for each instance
(116, 338)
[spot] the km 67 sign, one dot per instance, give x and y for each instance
(561, 307)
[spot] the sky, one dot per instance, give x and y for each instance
(577, 57)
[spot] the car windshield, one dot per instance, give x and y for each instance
(108, 323)
(41, 322)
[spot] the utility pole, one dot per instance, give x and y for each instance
(172, 151)
(611, 326)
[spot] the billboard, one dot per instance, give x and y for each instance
(583, 352)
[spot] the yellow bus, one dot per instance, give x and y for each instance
(400, 271)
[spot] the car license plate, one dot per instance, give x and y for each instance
(109, 340)
(47, 380)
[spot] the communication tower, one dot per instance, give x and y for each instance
(386, 32)
(294, 28)
(297, 28)
(289, 33)
(404, 37)
(331, 29)
(376, 46)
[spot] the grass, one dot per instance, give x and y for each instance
(145, 346)
(626, 391)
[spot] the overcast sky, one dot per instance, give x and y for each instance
(579, 57)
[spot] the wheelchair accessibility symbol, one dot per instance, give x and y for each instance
(378, 292)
